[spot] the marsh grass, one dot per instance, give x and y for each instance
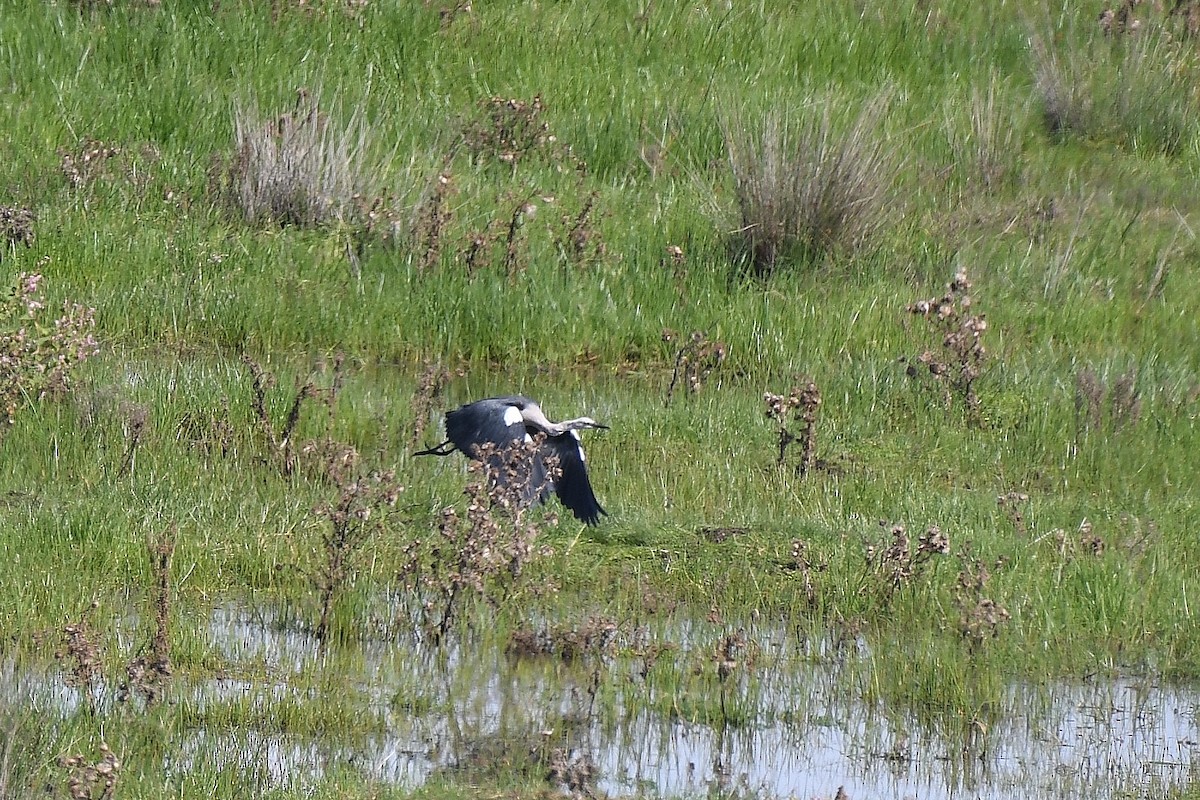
(503, 264)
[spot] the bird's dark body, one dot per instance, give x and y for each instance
(503, 420)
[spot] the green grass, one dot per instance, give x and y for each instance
(1079, 242)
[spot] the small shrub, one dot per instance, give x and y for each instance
(811, 189)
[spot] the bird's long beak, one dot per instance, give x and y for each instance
(601, 427)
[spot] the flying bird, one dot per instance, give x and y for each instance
(500, 421)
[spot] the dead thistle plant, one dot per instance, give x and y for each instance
(334, 458)
(1015, 505)
(483, 556)
(147, 674)
(803, 402)
(979, 617)
(695, 359)
(899, 564)
(92, 780)
(80, 655)
(357, 516)
(958, 362)
(510, 131)
(801, 564)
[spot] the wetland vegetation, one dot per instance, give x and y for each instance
(891, 309)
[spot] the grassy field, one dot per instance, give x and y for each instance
(653, 214)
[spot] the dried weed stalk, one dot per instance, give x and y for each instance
(695, 359)
(800, 563)
(899, 564)
(135, 417)
(958, 362)
(803, 402)
(483, 556)
(979, 617)
(357, 516)
(80, 655)
(147, 674)
(579, 242)
(92, 780)
(433, 216)
(431, 384)
(332, 459)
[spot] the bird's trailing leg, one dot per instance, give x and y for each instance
(444, 449)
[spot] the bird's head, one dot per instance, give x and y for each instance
(583, 423)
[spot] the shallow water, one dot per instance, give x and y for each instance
(809, 734)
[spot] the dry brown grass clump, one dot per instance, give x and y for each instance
(810, 189)
(298, 168)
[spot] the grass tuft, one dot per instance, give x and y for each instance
(298, 168)
(810, 189)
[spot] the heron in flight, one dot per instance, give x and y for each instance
(500, 421)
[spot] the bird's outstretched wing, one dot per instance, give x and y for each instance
(573, 487)
(482, 422)
(497, 421)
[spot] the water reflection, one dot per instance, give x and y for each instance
(468, 708)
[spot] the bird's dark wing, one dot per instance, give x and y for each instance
(483, 421)
(573, 487)
(498, 421)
